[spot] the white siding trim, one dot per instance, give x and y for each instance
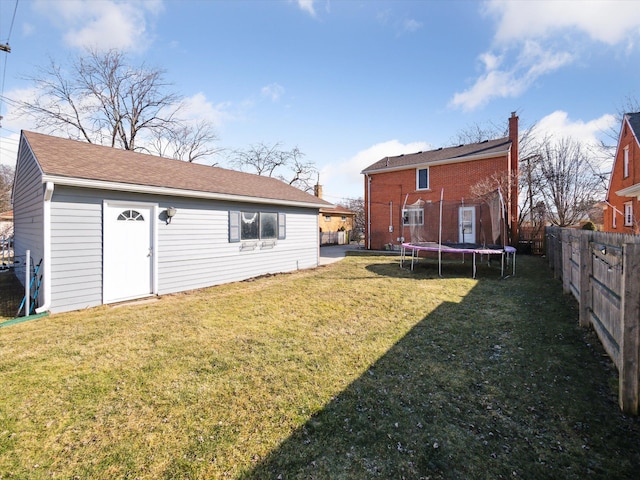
(46, 247)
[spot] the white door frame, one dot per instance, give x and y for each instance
(464, 235)
(153, 240)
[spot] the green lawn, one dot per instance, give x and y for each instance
(355, 370)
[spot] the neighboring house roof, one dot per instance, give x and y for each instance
(634, 123)
(337, 210)
(72, 162)
(461, 153)
(6, 216)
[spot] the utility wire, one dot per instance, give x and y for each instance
(13, 18)
(7, 50)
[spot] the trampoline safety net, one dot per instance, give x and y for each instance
(475, 222)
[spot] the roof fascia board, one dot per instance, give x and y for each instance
(435, 163)
(173, 192)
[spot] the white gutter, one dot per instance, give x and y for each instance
(46, 254)
(174, 192)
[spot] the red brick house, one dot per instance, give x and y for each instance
(394, 182)
(622, 206)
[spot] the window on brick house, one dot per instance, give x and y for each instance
(628, 214)
(413, 216)
(422, 178)
(625, 162)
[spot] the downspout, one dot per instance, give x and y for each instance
(46, 253)
(368, 212)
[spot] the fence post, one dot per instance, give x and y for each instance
(27, 283)
(586, 272)
(566, 260)
(557, 259)
(630, 321)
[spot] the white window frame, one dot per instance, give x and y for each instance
(409, 214)
(625, 162)
(628, 214)
(418, 170)
(236, 220)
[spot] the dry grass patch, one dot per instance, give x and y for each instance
(355, 370)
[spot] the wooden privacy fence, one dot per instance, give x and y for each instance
(602, 271)
(334, 238)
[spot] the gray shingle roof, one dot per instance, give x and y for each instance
(460, 153)
(634, 121)
(64, 158)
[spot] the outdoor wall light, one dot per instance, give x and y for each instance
(171, 211)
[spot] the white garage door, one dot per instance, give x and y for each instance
(127, 252)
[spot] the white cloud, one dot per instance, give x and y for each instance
(533, 39)
(533, 62)
(102, 25)
(410, 25)
(273, 91)
(559, 125)
(610, 21)
(9, 149)
(307, 6)
(197, 107)
(12, 124)
(344, 179)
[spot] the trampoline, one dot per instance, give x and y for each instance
(507, 254)
(476, 227)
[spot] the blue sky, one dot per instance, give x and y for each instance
(349, 81)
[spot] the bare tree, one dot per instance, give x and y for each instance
(477, 132)
(184, 142)
(272, 161)
(6, 184)
(356, 205)
(567, 181)
(102, 99)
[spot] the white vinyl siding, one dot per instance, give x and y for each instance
(194, 251)
(76, 249)
(28, 211)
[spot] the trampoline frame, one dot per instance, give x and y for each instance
(416, 248)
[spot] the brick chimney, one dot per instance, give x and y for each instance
(317, 190)
(513, 165)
